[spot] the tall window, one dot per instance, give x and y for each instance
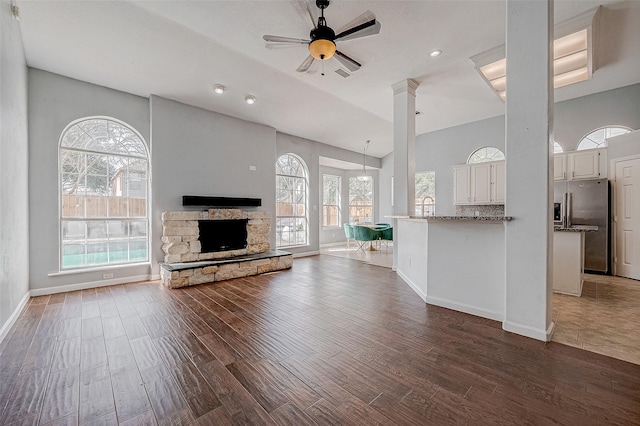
(331, 186)
(425, 193)
(291, 201)
(485, 154)
(360, 199)
(598, 138)
(104, 169)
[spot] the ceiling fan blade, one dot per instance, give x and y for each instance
(362, 26)
(306, 64)
(314, 12)
(278, 39)
(349, 63)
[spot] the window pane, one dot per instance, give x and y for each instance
(597, 138)
(360, 200)
(97, 254)
(73, 255)
(291, 201)
(73, 231)
(425, 201)
(111, 181)
(485, 154)
(118, 229)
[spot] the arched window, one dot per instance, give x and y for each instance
(485, 154)
(557, 149)
(104, 181)
(598, 138)
(292, 221)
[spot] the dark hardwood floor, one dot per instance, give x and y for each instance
(332, 341)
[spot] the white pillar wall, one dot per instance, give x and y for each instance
(529, 124)
(404, 140)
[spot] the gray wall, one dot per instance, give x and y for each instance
(199, 152)
(54, 102)
(577, 117)
(14, 201)
(441, 150)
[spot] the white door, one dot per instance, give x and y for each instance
(626, 219)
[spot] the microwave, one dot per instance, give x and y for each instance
(557, 213)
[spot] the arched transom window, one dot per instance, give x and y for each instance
(104, 180)
(292, 221)
(598, 138)
(557, 148)
(485, 154)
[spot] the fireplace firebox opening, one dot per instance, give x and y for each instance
(222, 235)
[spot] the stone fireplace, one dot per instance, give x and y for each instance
(217, 244)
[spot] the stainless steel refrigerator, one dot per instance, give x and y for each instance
(587, 203)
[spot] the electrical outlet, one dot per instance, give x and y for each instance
(107, 276)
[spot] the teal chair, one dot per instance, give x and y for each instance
(362, 234)
(383, 225)
(348, 232)
(387, 235)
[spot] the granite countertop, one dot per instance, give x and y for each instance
(575, 228)
(466, 218)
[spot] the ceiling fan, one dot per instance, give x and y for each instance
(322, 43)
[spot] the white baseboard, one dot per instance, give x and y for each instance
(339, 243)
(525, 330)
(87, 285)
(467, 309)
(413, 286)
(14, 316)
(306, 254)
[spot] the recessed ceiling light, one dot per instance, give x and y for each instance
(250, 99)
(435, 53)
(219, 89)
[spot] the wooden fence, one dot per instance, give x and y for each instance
(96, 206)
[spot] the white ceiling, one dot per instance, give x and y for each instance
(179, 49)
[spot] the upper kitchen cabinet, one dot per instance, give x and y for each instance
(477, 184)
(576, 165)
(559, 166)
(462, 185)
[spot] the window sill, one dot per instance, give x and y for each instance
(97, 269)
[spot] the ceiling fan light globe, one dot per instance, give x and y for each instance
(322, 49)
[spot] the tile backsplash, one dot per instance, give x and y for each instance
(483, 210)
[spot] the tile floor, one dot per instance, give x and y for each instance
(381, 257)
(605, 320)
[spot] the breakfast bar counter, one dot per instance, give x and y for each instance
(457, 262)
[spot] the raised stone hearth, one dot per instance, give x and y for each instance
(185, 263)
(176, 275)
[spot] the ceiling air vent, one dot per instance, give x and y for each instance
(342, 73)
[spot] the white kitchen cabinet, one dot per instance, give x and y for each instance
(585, 164)
(483, 183)
(498, 182)
(560, 167)
(576, 165)
(462, 185)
